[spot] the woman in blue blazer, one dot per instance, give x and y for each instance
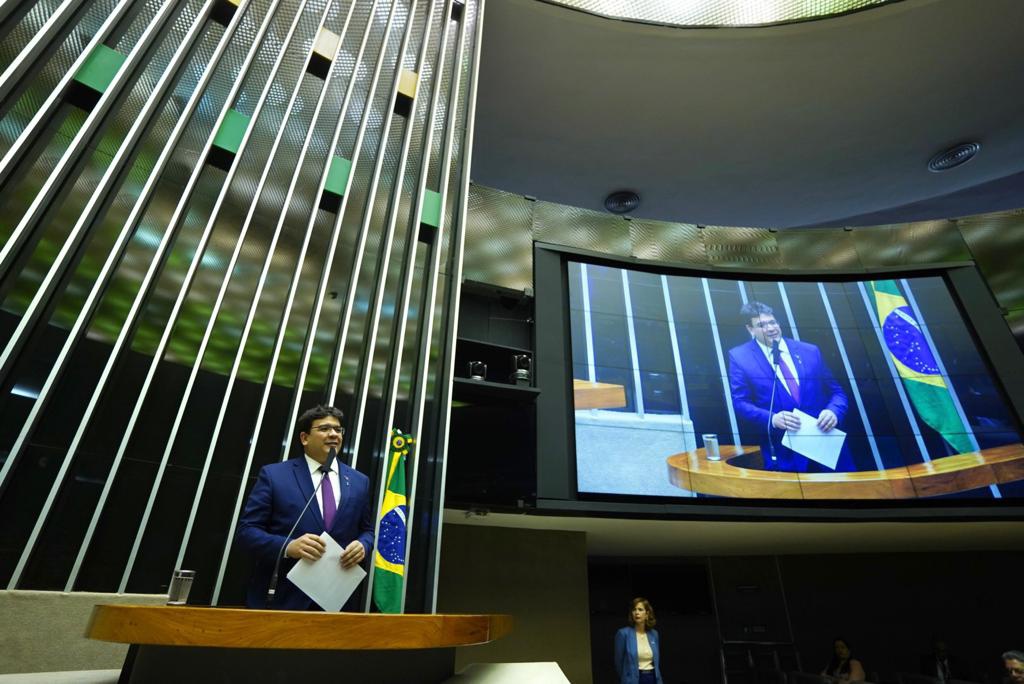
(637, 658)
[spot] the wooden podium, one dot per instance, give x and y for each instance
(174, 643)
(691, 470)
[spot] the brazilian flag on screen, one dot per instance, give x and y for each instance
(389, 556)
(916, 364)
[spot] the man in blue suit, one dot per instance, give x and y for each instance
(342, 508)
(795, 372)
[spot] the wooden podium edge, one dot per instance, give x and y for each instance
(691, 470)
(285, 629)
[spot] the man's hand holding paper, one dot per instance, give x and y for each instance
(815, 442)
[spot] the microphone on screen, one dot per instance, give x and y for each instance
(776, 358)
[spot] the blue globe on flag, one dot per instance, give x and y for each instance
(391, 540)
(906, 341)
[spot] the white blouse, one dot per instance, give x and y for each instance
(644, 653)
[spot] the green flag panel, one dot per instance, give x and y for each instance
(337, 176)
(431, 213)
(232, 130)
(100, 68)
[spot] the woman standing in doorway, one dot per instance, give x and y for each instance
(637, 646)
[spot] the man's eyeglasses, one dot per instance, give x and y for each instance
(766, 324)
(328, 429)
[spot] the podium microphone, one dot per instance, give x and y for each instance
(325, 469)
(776, 357)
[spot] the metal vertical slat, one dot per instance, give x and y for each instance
(588, 325)
(789, 312)
(429, 299)
(394, 367)
(179, 211)
(993, 488)
(325, 271)
(99, 285)
(211, 324)
(677, 361)
(455, 291)
(20, 65)
(853, 381)
(247, 327)
(370, 337)
(401, 320)
(721, 361)
(59, 174)
(360, 248)
(8, 6)
(634, 355)
(938, 362)
(77, 235)
(239, 242)
(282, 330)
(32, 129)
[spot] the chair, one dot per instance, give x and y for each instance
(789, 659)
(807, 678)
(769, 676)
(764, 658)
(740, 677)
(911, 678)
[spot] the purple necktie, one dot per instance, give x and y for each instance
(794, 388)
(330, 506)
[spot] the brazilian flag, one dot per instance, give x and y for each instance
(389, 556)
(916, 365)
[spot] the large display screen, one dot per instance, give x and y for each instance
(710, 387)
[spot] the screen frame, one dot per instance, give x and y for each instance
(556, 453)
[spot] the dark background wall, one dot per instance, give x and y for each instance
(887, 605)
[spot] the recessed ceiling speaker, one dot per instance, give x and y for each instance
(622, 201)
(953, 157)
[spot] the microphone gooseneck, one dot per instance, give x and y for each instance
(325, 469)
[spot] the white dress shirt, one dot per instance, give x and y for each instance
(785, 358)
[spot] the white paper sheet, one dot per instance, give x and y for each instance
(324, 580)
(812, 442)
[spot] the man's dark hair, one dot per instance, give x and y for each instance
(1014, 655)
(754, 309)
(305, 422)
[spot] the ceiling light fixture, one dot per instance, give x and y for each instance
(953, 157)
(622, 201)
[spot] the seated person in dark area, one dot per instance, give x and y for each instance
(940, 663)
(843, 667)
(771, 376)
(1013, 663)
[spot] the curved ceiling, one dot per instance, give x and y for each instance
(717, 12)
(830, 122)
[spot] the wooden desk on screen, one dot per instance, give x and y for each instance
(597, 395)
(173, 643)
(693, 471)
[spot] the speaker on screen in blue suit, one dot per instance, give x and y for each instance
(803, 382)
